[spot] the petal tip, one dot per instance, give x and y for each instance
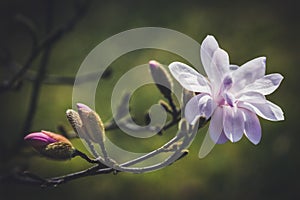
(210, 37)
(210, 41)
(81, 106)
(264, 60)
(153, 64)
(38, 138)
(255, 142)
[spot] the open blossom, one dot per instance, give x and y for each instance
(231, 96)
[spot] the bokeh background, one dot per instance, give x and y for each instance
(246, 29)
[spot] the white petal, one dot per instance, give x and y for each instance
(219, 65)
(267, 110)
(248, 73)
(266, 85)
(199, 106)
(189, 78)
(216, 127)
(233, 122)
(253, 97)
(208, 47)
(252, 126)
(192, 112)
(222, 139)
(206, 106)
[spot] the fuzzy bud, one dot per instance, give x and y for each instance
(162, 78)
(92, 123)
(51, 145)
(74, 119)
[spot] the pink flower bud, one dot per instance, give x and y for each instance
(51, 145)
(39, 139)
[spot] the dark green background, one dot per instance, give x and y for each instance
(246, 30)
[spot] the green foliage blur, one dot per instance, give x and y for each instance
(246, 29)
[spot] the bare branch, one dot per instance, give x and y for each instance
(51, 39)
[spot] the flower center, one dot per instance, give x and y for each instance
(224, 96)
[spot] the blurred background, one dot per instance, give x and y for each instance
(52, 38)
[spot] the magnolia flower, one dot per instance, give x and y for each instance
(51, 145)
(231, 96)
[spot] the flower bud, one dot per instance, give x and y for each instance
(51, 145)
(74, 119)
(92, 124)
(162, 78)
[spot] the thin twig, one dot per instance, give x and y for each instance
(151, 154)
(45, 48)
(40, 76)
(95, 170)
(52, 38)
(84, 156)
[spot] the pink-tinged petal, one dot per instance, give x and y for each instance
(251, 97)
(219, 66)
(267, 110)
(233, 122)
(266, 85)
(229, 98)
(252, 127)
(222, 139)
(81, 106)
(206, 105)
(248, 73)
(216, 127)
(57, 137)
(39, 139)
(200, 105)
(208, 47)
(189, 78)
(154, 64)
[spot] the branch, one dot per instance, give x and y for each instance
(52, 79)
(177, 145)
(95, 170)
(44, 48)
(49, 40)
(26, 177)
(40, 75)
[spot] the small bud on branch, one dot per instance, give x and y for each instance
(162, 78)
(51, 145)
